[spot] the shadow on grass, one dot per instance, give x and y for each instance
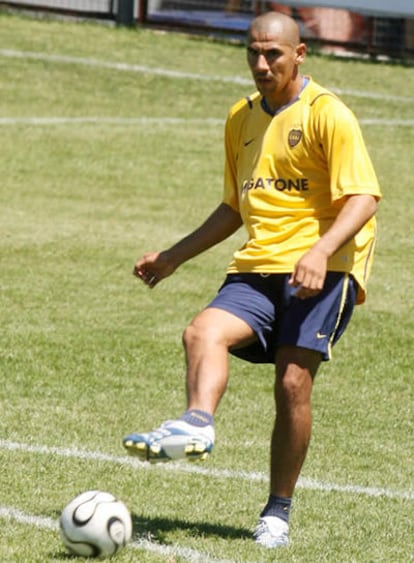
(159, 528)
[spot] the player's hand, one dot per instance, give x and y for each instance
(153, 267)
(309, 274)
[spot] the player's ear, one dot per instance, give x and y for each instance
(300, 53)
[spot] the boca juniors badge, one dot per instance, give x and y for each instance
(294, 137)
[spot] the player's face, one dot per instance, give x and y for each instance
(274, 65)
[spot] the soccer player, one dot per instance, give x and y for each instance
(298, 177)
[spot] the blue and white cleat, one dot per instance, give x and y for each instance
(173, 440)
(271, 531)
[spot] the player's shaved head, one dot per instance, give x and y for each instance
(273, 25)
(274, 53)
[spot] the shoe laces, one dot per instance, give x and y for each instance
(160, 432)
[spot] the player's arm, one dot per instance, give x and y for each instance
(353, 185)
(222, 223)
(310, 271)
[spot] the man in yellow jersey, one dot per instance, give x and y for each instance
(298, 177)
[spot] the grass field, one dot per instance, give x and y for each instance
(106, 154)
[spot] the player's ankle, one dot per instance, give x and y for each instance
(277, 506)
(197, 417)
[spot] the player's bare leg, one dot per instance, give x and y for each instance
(295, 371)
(206, 342)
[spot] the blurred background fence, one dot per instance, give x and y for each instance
(374, 28)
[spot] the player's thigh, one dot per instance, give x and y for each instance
(218, 326)
(292, 361)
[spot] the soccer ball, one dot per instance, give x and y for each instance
(95, 524)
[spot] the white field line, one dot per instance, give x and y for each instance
(387, 122)
(109, 121)
(304, 483)
(121, 66)
(191, 555)
(91, 62)
(124, 121)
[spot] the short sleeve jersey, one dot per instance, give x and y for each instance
(288, 176)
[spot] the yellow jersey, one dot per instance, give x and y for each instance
(288, 176)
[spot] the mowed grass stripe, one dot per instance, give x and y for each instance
(304, 483)
(91, 62)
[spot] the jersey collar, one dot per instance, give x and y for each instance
(266, 108)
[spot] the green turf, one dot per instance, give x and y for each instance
(87, 353)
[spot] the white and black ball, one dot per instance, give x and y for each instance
(95, 524)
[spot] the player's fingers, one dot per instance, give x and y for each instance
(305, 293)
(293, 280)
(139, 273)
(152, 281)
(149, 278)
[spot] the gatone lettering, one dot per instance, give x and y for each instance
(280, 184)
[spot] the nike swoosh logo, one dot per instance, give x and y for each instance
(246, 143)
(319, 335)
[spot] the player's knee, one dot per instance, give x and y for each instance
(199, 333)
(293, 386)
(192, 335)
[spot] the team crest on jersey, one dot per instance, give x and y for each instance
(294, 137)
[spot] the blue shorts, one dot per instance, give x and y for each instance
(268, 305)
